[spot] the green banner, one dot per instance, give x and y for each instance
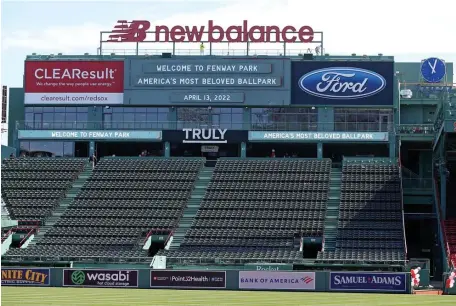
(90, 135)
(269, 267)
(294, 136)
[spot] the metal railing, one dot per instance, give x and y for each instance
(446, 253)
(223, 261)
(216, 52)
(402, 207)
(423, 183)
(178, 125)
(97, 259)
(416, 129)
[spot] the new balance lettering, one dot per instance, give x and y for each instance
(137, 30)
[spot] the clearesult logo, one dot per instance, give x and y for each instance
(75, 73)
(78, 277)
(342, 83)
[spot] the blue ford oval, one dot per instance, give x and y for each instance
(342, 83)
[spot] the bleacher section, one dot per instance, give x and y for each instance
(121, 201)
(32, 188)
(450, 232)
(253, 209)
(370, 227)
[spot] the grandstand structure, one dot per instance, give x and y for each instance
(260, 169)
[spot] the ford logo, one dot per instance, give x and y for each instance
(342, 83)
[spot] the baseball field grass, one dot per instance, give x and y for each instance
(12, 296)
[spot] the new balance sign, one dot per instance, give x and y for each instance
(274, 280)
(137, 30)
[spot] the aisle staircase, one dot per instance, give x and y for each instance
(193, 204)
(332, 209)
(64, 203)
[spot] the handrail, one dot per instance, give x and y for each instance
(410, 172)
(154, 230)
(233, 125)
(402, 205)
(6, 235)
(29, 234)
(447, 260)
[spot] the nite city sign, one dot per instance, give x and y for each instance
(137, 30)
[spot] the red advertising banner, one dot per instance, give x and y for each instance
(74, 82)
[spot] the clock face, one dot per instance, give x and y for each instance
(433, 70)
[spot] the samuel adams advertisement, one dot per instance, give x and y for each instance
(367, 281)
(187, 279)
(100, 278)
(342, 83)
(25, 277)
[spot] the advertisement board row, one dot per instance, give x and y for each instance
(249, 280)
(262, 81)
(205, 136)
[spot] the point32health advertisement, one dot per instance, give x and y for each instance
(277, 280)
(100, 278)
(187, 279)
(367, 281)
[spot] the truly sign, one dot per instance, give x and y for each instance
(204, 136)
(136, 31)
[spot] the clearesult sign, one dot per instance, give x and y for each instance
(100, 278)
(275, 280)
(367, 281)
(74, 82)
(137, 30)
(187, 279)
(25, 277)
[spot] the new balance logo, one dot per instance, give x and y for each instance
(125, 31)
(135, 31)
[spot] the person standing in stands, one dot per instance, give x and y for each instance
(93, 160)
(273, 155)
(202, 48)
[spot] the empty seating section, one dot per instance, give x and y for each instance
(253, 208)
(450, 232)
(117, 206)
(33, 187)
(370, 227)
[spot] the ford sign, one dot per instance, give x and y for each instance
(342, 83)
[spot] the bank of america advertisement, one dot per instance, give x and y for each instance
(220, 81)
(74, 82)
(275, 280)
(342, 83)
